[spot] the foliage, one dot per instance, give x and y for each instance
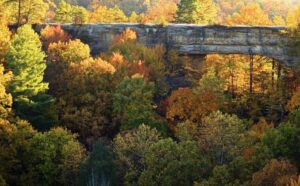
(73, 51)
(192, 105)
(5, 98)
(85, 98)
(294, 102)
(102, 14)
(133, 100)
(250, 15)
(275, 173)
(126, 36)
(46, 158)
(67, 13)
(185, 160)
(292, 17)
(121, 103)
(221, 134)
(284, 142)
(26, 61)
(64, 12)
(27, 12)
(295, 182)
(98, 168)
(131, 149)
(25, 56)
(60, 55)
(14, 143)
(53, 34)
(196, 11)
(161, 12)
(4, 41)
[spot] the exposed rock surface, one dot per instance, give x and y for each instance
(191, 39)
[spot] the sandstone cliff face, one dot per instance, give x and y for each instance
(191, 39)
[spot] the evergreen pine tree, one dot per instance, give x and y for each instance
(26, 60)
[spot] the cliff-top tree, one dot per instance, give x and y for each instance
(196, 11)
(26, 60)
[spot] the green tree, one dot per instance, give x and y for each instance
(170, 163)
(26, 60)
(64, 13)
(99, 168)
(131, 149)
(196, 11)
(80, 15)
(133, 103)
(284, 142)
(67, 13)
(46, 163)
(221, 135)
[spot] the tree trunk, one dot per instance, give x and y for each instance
(278, 73)
(251, 74)
(273, 72)
(19, 13)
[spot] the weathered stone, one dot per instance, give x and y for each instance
(191, 39)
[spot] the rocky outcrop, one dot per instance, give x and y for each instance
(191, 39)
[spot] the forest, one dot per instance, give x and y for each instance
(70, 118)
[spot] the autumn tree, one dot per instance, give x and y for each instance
(148, 62)
(28, 11)
(53, 34)
(193, 104)
(275, 173)
(65, 53)
(293, 19)
(4, 41)
(60, 55)
(131, 148)
(84, 97)
(26, 60)
(14, 143)
(250, 15)
(5, 98)
(196, 11)
(162, 12)
(103, 14)
(184, 105)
